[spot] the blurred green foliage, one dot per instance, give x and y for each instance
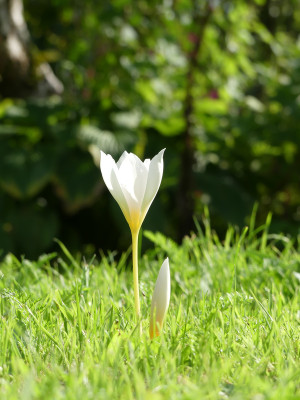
(126, 67)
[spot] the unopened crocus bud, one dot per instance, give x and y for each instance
(160, 300)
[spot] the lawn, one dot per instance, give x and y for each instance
(68, 328)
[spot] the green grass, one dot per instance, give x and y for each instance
(68, 326)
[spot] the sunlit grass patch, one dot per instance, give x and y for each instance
(68, 329)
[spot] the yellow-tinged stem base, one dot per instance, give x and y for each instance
(155, 327)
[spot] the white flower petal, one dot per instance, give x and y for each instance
(156, 169)
(107, 164)
(127, 178)
(140, 183)
(147, 163)
(133, 175)
(160, 299)
(121, 159)
(110, 177)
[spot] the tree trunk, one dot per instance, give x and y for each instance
(186, 186)
(19, 76)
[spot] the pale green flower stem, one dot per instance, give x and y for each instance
(135, 239)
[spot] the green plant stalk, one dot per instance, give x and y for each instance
(135, 239)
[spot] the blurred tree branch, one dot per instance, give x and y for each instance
(19, 75)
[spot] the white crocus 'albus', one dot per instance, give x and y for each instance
(160, 299)
(133, 184)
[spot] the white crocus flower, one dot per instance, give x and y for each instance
(133, 184)
(160, 300)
